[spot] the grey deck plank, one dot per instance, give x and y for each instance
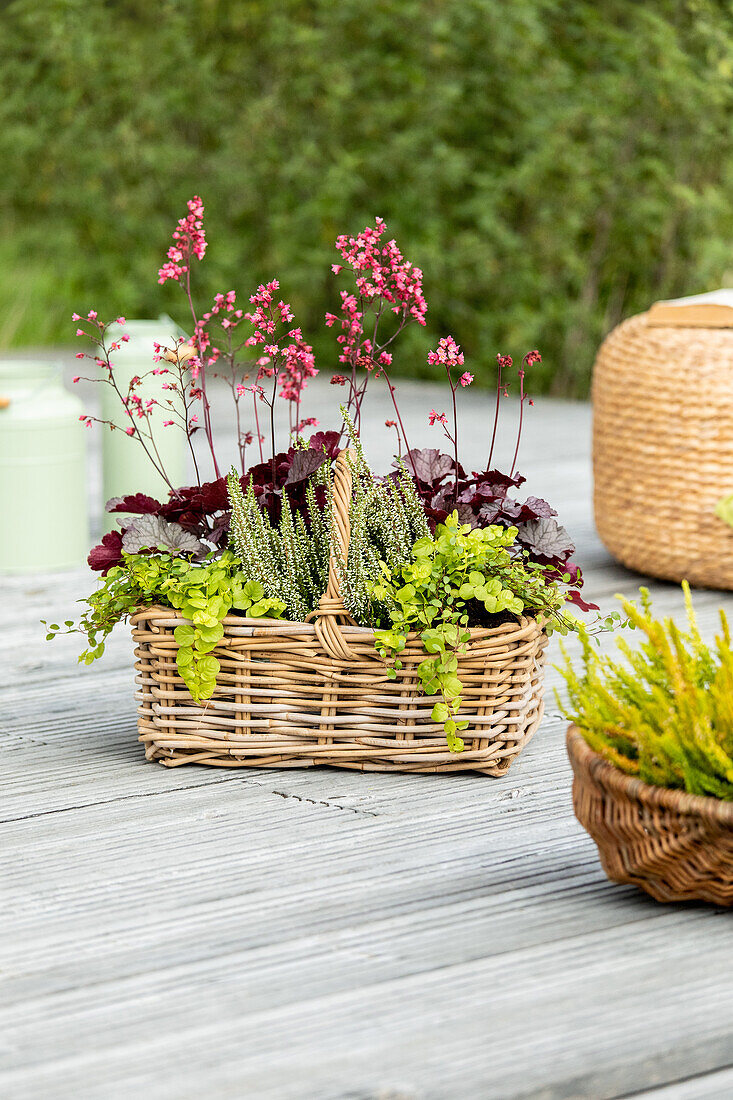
(316, 933)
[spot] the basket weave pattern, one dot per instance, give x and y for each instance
(675, 846)
(298, 694)
(663, 450)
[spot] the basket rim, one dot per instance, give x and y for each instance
(357, 633)
(665, 798)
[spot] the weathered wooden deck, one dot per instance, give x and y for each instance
(324, 934)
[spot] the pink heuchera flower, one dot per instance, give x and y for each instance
(298, 365)
(466, 379)
(189, 239)
(383, 275)
(309, 422)
(436, 418)
(448, 354)
(382, 271)
(263, 317)
(351, 327)
(293, 363)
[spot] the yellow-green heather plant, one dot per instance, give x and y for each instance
(666, 713)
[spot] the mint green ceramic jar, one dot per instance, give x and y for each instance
(127, 469)
(43, 482)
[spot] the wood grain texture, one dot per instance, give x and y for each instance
(323, 934)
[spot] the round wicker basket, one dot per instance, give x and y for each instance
(296, 694)
(663, 450)
(675, 846)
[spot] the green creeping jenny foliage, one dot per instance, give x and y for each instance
(448, 580)
(666, 714)
(203, 592)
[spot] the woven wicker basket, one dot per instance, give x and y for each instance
(676, 846)
(297, 694)
(663, 450)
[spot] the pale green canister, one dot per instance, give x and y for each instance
(43, 476)
(127, 469)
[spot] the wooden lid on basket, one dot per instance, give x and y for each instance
(712, 310)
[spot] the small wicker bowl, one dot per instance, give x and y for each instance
(675, 846)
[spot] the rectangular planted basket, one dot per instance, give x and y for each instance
(298, 694)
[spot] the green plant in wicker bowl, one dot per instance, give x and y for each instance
(204, 592)
(463, 575)
(651, 747)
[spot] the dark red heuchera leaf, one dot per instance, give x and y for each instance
(304, 464)
(496, 483)
(484, 499)
(330, 442)
(203, 510)
(430, 465)
(536, 508)
(262, 474)
(546, 541)
(575, 598)
(136, 505)
(194, 505)
(107, 554)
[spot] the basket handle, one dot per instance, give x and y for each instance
(331, 610)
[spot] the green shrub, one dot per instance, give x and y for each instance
(666, 713)
(551, 166)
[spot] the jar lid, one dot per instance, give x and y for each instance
(143, 334)
(28, 370)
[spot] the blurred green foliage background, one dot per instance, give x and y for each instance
(552, 165)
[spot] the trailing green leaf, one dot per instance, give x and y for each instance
(203, 592)
(449, 582)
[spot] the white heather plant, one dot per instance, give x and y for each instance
(291, 562)
(386, 519)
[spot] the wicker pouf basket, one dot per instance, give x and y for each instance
(663, 449)
(298, 694)
(675, 846)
